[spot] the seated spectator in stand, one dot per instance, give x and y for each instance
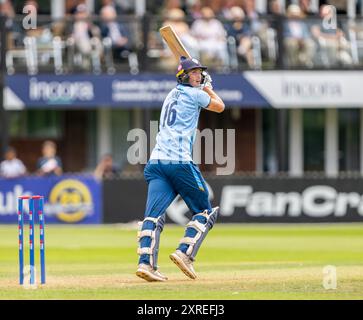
(44, 35)
(38, 10)
(176, 19)
(274, 8)
(355, 28)
(331, 38)
(305, 6)
(125, 6)
(71, 6)
(300, 47)
(253, 17)
(116, 6)
(116, 31)
(85, 34)
(225, 11)
(15, 34)
(241, 32)
(211, 37)
(257, 24)
(7, 9)
(194, 8)
(49, 163)
(34, 4)
(11, 167)
(106, 169)
(169, 5)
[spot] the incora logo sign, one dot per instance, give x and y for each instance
(316, 201)
(60, 91)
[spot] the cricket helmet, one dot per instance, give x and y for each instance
(186, 65)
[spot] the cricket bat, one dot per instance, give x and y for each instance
(174, 43)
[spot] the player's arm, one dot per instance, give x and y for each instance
(216, 104)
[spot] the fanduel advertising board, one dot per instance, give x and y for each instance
(68, 199)
(249, 200)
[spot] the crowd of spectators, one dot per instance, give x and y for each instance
(309, 38)
(48, 164)
(211, 30)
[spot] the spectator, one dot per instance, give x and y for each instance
(257, 24)
(355, 29)
(42, 32)
(85, 34)
(297, 39)
(305, 6)
(194, 8)
(241, 32)
(274, 8)
(106, 168)
(126, 6)
(14, 37)
(226, 10)
(211, 37)
(331, 39)
(49, 163)
(11, 167)
(176, 19)
(7, 9)
(112, 3)
(41, 10)
(33, 4)
(249, 8)
(38, 10)
(71, 5)
(169, 5)
(116, 31)
(276, 32)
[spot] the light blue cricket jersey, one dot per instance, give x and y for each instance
(178, 123)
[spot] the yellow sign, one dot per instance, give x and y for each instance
(74, 199)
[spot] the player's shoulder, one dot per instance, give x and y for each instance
(186, 88)
(193, 92)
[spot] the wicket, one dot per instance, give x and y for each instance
(39, 200)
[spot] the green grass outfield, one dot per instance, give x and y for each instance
(235, 262)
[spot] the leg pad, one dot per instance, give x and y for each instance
(154, 235)
(202, 230)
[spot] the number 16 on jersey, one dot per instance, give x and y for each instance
(170, 114)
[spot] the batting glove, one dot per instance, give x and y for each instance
(207, 80)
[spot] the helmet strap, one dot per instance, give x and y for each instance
(184, 79)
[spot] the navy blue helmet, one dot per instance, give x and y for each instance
(186, 65)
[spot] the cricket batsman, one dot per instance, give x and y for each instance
(171, 171)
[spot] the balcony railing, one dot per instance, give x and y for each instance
(271, 43)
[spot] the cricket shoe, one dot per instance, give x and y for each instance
(146, 272)
(184, 263)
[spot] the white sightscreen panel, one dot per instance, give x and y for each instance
(305, 89)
